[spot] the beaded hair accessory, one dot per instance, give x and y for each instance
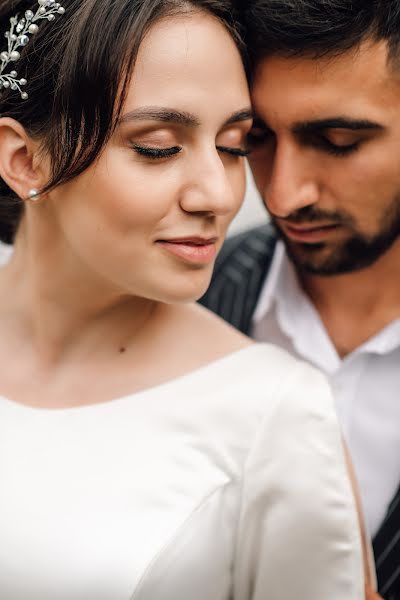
(18, 37)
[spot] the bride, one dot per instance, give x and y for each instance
(147, 450)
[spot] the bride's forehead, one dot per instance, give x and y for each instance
(175, 45)
(177, 61)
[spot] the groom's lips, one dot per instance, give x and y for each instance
(308, 233)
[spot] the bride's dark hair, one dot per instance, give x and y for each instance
(78, 69)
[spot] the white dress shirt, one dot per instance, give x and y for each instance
(366, 383)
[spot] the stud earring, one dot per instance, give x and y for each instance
(33, 195)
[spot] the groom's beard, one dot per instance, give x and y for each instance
(353, 252)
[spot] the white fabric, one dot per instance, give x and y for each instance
(228, 483)
(5, 253)
(366, 383)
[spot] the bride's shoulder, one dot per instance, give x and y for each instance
(262, 375)
(218, 338)
(213, 337)
(262, 365)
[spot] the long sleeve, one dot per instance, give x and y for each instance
(298, 536)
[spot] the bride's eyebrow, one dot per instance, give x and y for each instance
(169, 115)
(161, 114)
(245, 114)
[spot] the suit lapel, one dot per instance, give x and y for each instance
(239, 275)
(387, 552)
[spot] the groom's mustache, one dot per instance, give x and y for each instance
(309, 214)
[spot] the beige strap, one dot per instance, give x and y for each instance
(369, 566)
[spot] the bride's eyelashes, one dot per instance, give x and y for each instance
(160, 153)
(234, 151)
(156, 153)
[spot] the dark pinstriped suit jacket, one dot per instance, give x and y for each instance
(239, 275)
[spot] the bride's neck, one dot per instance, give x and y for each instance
(56, 303)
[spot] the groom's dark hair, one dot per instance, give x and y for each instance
(318, 28)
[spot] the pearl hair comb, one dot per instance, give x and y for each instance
(18, 38)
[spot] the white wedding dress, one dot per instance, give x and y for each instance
(226, 484)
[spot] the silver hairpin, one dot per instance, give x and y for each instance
(18, 37)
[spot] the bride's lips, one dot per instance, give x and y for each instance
(192, 249)
(309, 233)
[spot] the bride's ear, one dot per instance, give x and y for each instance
(19, 164)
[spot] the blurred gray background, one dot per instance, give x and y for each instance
(252, 212)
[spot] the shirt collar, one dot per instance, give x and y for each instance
(299, 319)
(272, 285)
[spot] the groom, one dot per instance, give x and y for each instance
(323, 280)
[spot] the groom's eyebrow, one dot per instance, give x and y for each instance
(310, 127)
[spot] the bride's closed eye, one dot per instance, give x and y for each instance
(154, 152)
(241, 152)
(233, 142)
